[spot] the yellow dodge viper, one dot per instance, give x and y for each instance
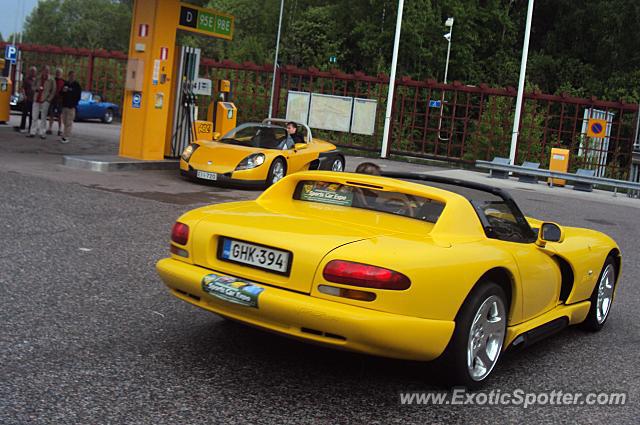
(413, 267)
(258, 155)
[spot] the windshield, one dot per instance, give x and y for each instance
(257, 136)
(86, 96)
(369, 198)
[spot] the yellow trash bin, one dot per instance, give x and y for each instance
(559, 162)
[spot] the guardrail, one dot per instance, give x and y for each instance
(600, 181)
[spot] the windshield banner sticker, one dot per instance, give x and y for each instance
(327, 193)
(232, 289)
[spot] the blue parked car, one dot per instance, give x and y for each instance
(91, 106)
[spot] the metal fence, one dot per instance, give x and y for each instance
(451, 122)
(99, 71)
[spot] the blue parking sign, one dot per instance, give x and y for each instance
(11, 53)
(136, 100)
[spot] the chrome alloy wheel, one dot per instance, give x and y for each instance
(337, 165)
(486, 337)
(605, 293)
(278, 172)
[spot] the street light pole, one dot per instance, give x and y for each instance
(392, 82)
(275, 61)
(523, 72)
(448, 23)
(447, 36)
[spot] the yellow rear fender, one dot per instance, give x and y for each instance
(441, 277)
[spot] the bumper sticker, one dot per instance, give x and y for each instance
(232, 289)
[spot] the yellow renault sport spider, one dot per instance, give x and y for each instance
(258, 155)
(421, 268)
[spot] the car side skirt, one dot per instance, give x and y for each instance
(573, 313)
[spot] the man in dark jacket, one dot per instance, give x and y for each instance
(27, 99)
(71, 92)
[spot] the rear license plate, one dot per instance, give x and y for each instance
(206, 175)
(254, 255)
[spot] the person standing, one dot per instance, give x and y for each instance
(28, 85)
(55, 109)
(71, 92)
(45, 90)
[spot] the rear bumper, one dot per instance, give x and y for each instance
(317, 320)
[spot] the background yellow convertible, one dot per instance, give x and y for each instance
(393, 268)
(258, 154)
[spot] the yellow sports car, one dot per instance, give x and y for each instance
(413, 267)
(259, 154)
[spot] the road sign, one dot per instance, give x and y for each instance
(597, 128)
(435, 104)
(206, 21)
(11, 53)
(136, 100)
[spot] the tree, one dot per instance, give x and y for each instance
(92, 24)
(583, 47)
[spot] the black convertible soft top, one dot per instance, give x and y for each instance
(528, 233)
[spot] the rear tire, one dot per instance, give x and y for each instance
(277, 171)
(476, 345)
(601, 297)
(107, 118)
(337, 164)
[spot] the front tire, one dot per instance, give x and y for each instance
(602, 297)
(277, 171)
(476, 345)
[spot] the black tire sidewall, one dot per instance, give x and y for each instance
(269, 181)
(591, 322)
(456, 372)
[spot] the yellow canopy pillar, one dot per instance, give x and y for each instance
(145, 111)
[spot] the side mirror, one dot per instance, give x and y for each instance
(299, 146)
(215, 135)
(549, 232)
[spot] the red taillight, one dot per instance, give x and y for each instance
(358, 274)
(180, 233)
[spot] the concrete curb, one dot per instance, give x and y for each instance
(106, 163)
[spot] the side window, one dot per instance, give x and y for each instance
(502, 223)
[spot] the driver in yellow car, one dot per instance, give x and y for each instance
(292, 132)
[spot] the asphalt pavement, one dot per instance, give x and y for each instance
(89, 335)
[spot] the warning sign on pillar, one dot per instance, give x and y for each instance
(164, 53)
(143, 30)
(156, 72)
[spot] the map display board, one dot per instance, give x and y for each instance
(330, 112)
(363, 119)
(298, 106)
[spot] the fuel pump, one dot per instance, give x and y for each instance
(222, 111)
(6, 88)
